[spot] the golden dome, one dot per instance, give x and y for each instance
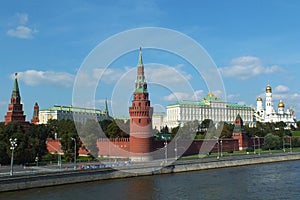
(259, 99)
(268, 89)
(210, 94)
(281, 104)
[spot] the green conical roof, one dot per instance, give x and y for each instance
(16, 91)
(140, 62)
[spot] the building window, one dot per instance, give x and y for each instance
(139, 120)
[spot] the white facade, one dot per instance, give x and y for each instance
(158, 120)
(270, 114)
(72, 113)
(209, 108)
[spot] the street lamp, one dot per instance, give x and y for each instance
(283, 144)
(218, 157)
(258, 144)
(13, 143)
(166, 150)
(290, 144)
(175, 149)
(254, 152)
(75, 152)
(221, 142)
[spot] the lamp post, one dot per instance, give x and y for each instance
(175, 149)
(13, 143)
(166, 150)
(221, 142)
(258, 144)
(290, 144)
(283, 144)
(75, 153)
(59, 155)
(218, 157)
(254, 152)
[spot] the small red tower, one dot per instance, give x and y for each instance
(35, 117)
(15, 108)
(141, 137)
(239, 133)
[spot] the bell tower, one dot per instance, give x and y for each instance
(140, 118)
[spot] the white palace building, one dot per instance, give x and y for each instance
(269, 114)
(211, 107)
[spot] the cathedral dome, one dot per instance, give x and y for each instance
(210, 94)
(281, 104)
(259, 99)
(268, 89)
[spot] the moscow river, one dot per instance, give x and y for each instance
(266, 181)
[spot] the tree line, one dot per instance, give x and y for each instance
(31, 143)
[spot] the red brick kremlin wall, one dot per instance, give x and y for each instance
(120, 147)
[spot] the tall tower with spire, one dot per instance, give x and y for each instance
(269, 102)
(141, 137)
(15, 108)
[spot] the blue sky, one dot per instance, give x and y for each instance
(252, 43)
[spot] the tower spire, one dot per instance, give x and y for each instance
(140, 62)
(140, 83)
(16, 91)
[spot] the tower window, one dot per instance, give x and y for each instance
(140, 120)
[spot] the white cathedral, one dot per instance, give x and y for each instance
(270, 114)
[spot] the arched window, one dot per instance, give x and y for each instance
(140, 120)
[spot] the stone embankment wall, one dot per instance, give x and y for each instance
(68, 177)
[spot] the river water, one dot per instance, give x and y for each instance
(266, 181)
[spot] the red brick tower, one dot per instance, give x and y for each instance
(140, 118)
(35, 117)
(15, 108)
(239, 133)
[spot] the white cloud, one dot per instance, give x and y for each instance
(177, 96)
(37, 78)
(282, 89)
(108, 75)
(233, 96)
(241, 103)
(22, 31)
(23, 18)
(180, 96)
(246, 67)
(161, 73)
(154, 73)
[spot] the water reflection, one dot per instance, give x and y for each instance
(266, 181)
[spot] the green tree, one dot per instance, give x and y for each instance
(90, 133)
(114, 131)
(227, 130)
(189, 130)
(105, 123)
(164, 130)
(272, 142)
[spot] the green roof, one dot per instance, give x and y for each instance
(16, 91)
(75, 109)
(141, 90)
(235, 105)
(194, 103)
(201, 103)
